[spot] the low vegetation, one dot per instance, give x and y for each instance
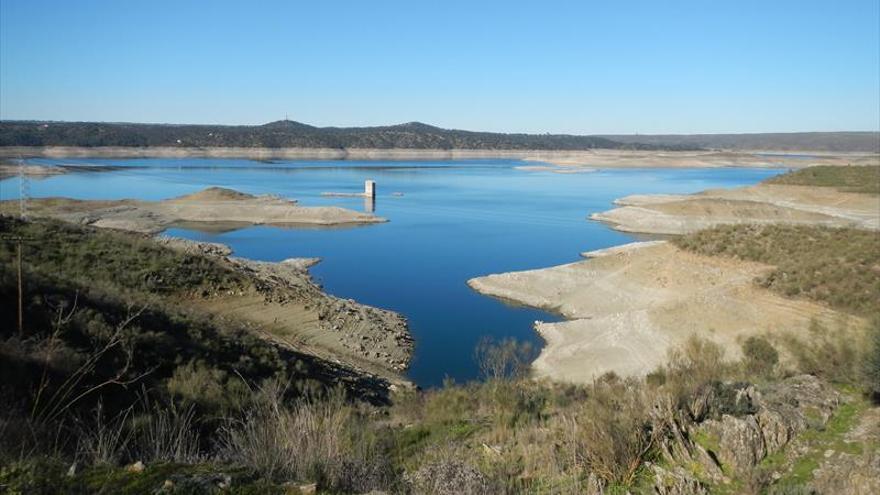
(836, 266)
(860, 179)
(115, 388)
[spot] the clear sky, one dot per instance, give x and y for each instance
(541, 66)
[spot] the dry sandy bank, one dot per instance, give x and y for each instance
(577, 158)
(763, 203)
(700, 159)
(628, 306)
(210, 206)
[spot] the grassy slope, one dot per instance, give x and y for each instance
(107, 276)
(520, 435)
(861, 179)
(839, 267)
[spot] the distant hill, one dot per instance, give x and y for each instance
(412, 135)
(290, 134)
(794, 141)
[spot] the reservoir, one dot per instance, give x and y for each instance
(449, 221)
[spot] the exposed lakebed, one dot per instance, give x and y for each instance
(448, 222)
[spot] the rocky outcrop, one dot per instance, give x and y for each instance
(370, 334)
(728, 429)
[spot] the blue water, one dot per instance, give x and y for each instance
(455, 220)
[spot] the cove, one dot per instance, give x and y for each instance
(448, 221)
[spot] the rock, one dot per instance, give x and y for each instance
(137, 467)
(493, 450)
(735, 426)
(676, 481)
(308, 489)
(740, 444)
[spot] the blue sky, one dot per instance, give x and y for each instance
(576, 67)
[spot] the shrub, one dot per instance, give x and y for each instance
(449, 474)
(506, 359)
(759, 355)
(871, 364)
(832, 355)
(166, 433)
(697, 363)
(324, 441)
(612, 432)
(208, 387)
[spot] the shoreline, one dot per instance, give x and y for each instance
(626, 307)
(292, 311)
(595, 158)
(672, 214)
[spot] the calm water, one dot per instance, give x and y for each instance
(454, 220)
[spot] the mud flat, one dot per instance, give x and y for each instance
(763, 203)
(210, 206)
(628, 306)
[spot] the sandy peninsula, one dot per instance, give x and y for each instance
(211, 206)
(626, 307)
(762, 203)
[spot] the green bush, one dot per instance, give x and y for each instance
(759, 355)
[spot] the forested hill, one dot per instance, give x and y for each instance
(290, 134)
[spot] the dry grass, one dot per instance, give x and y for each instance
(323, 441)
